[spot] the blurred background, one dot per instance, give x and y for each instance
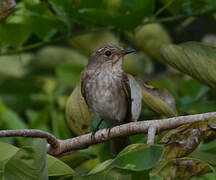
(45, 45)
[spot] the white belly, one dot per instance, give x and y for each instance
(106, 97)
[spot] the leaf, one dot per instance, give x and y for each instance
(194, 59)
(28, 163)
(137, 63)
(183, 140)
(69, 74)
(191, 7)
(138, 157)
(136, 96)
(57, 167)
(78, 115)
(182, 168)
(12, 120)
(19, 33)
(158, 100)
(134, 161)
(204, 156)
(127, 18)
(61, 12)
(102, 167)
(77, 158)
(84, 43)
(6, 151)
(150, 37)
(59, 56)
(112, 174)
(16, 65)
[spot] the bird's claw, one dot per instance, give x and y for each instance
(109, 129)
(93, 134)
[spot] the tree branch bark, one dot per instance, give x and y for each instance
(58, 147)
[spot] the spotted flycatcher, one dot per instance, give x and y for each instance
(106, 90)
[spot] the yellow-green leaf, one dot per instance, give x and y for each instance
(78, 115)
(195, 59)
(183, 140)
(158, 100)
(150, 37)
(182, 169)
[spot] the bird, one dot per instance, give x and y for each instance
(107, 92)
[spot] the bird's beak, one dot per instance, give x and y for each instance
(128, 51)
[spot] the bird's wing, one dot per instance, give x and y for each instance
(136, 96)
(126, 89)
(84, 76)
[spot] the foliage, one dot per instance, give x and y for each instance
(44, 47)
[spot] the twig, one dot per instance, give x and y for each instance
(56, 40)
(34, 133)
(60, 147)
(174, 18)
(151, 134)
(164, 8)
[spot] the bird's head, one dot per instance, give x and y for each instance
(109, 53)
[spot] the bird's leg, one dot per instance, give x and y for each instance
(96, 129)
(109, 129)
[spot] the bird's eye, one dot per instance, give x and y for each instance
(108, 53)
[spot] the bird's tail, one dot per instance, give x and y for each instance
(119, 144)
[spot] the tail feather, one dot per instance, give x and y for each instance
(119, 144)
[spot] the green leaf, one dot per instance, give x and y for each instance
(12, 120)
(28, 163)
(190, 7)
(61, 12)
(209, 176)
(16, 65)
(84, 43)
(69, 74)
(138, 157)
(59, 56)
(78, 115)
(6, 151)
(182, 168)
(134, 161)
(194, 59)
(19, 33)
(113, 174)
(150, 37)
(102, 167)
(204, 156)
(57, 167)
(128, 18)
(77, 158)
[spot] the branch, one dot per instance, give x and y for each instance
(55, 40)
(60, 147)
(174, 18)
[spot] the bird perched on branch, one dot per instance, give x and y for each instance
(108, 90)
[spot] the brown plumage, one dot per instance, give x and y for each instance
(106, 89)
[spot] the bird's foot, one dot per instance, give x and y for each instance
(109, 129)
(93, 134)
(95, 130)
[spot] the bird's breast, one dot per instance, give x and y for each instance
(106, 97)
